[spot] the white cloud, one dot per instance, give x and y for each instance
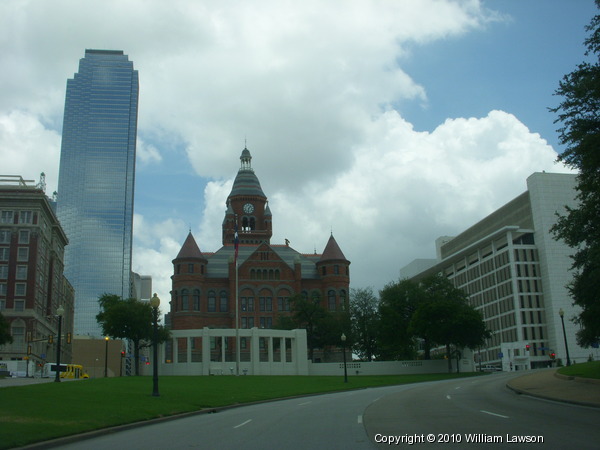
(310, 85)
(27, 148)
(155, 246)
(147, 153)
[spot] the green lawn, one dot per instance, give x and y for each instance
(45, 411)
(585, 370)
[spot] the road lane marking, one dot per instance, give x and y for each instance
(493, 414)
(448, 397)
(305, 403)
(457, 387)
(359, 419)
(243, 423)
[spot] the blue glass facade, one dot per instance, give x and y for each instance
(96, 180)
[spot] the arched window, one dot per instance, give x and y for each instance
(252, 223)
(245, 223)
(252, 274)
(343, 300)
(175, 301)
(196, 299)
(223, 303)
(331, 300)
(185, 300)
(212, 301)
(277, 274)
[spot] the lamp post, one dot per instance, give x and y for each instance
(344, 352)
(59, 313)
(561, 313)
(155, 302)
(106, 339)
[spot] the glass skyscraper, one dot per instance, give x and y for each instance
(96, 180)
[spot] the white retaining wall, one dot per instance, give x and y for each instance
(386, 367)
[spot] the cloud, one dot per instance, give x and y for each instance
(402, 191)
(27, 148)
(147, 153)
(313, 86)
(155, 246)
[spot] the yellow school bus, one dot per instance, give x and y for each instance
(73, 371)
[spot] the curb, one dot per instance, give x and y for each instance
(577, 379)
(554, 399)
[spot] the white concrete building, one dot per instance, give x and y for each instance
(515, 273)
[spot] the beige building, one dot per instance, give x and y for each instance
(515, 273)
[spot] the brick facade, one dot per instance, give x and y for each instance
(204, 284)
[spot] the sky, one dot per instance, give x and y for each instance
(388, 123)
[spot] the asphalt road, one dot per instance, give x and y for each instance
(465, 409)
(467, 412)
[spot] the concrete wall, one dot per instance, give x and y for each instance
(386, 367)
(258, 361)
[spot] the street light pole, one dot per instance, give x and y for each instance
(59, 312)
(344, 352)
(155, 302)
(561, 313)
(106, 356)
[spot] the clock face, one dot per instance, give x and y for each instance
(248, 208)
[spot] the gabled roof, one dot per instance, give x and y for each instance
(332, 251)
(190, 249)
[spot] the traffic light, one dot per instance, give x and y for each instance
(527, 346)
(122, 354)
(552, 355)
(51, 339)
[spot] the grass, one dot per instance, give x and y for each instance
(40, 412)
(585, 370)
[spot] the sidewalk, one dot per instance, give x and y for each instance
(548, 384)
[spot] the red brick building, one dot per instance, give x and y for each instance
(32, 284)
(204, 284)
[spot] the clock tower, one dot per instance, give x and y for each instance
(248, 206)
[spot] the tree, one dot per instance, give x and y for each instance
(397, 303)
(445, 318)
(364, 317)
(579, 114)
(5, 336)
(129, 319)
(322, 327)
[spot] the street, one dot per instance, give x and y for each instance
(464, 411)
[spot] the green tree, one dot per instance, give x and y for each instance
(579, 115)
(364, 317)
(129, 319)
(5, 336)
(397, 303)
(445, 318)
(322, 327)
